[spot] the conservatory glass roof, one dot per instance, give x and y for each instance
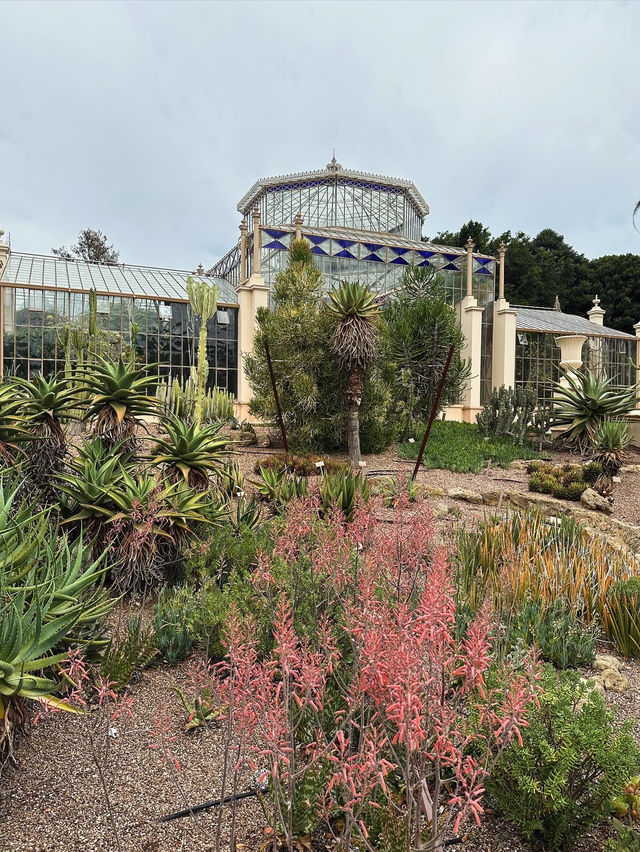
(143, 282)
(555, 322)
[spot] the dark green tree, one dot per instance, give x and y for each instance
(616, 279)
(92, 245)
(480, 235)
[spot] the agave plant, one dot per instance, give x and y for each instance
(343, 490)
(50, 402)
(190, 452)
(88, 488)
(584, 402)
(355, 342)
(118, 398)
(610, 440)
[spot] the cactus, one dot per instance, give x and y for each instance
(508, 413)
(180, 399)
(203, 299)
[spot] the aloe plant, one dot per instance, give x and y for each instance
(190, 453)
(610, 441)
(14, 424)
(585, 401)
(118, 398)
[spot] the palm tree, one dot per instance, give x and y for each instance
(355, 342)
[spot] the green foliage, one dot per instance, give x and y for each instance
(585, 401)
(118, 398)
(343, 490)
(203, 298)
(311, 385)
(418, 329)
(556, 633)
(355, 341)
(190, 453)
(562, 481)
(461, 447)
(508, 413)
(173, 618)
(92, 245)
(621, 616)
(396, 488)
(179, 399)
(573, 759)
(124, 656)
(299, 465)
(610, 440)
(279, 486)
(14, 424)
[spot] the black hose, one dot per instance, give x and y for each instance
(212, 803)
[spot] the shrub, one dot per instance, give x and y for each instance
(299, 465)
(564, 482)
(573, 760)
(621, 616)
(556, 633)
(343, 490)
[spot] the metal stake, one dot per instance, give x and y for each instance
(275, 396)
(447, 364)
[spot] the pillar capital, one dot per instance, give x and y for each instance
(596, 314)
(298, 222)
(636, 328)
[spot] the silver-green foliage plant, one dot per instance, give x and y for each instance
(508, 413)
(178, 398)
(584, 401)
(203, 298)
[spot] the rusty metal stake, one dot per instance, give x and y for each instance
(275, 396)
(443, 377)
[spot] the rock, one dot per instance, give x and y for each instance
(531, 499)
(630, 468)
(519, 464)
(603, 662)
(594, 684)
(614, 681)
(592, 500)
(492, 498)
(440, 509)
(433, 491)
(465, 494)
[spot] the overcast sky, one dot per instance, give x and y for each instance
(151, 120)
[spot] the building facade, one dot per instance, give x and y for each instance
(362, 227)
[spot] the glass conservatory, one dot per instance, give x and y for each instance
(43, 297)
(361, 227)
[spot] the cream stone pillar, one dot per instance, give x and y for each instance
(252, 294)
(503, 369)
(4, 260)
(636, 328)
(298, 222)
(470, 315)
(570, 353)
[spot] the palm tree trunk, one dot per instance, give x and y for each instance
(354, 395)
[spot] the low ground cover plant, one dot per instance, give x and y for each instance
(563, 481)
(462, 447)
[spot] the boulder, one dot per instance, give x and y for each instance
(594, 501)
(433, 491)
(465, 494)
(440, 509)
(614, 680)
(492, 498)
(519, 464)
(603, 662)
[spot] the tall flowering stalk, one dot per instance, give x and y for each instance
(383, 706)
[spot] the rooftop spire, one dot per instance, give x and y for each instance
(556, 304)
(334, 165)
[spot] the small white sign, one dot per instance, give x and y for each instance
(362, 464)
(412, 440)
(319, 464)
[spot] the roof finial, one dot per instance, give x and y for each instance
(596, 301)
(556, 304)
(334, 165)
(200, 269)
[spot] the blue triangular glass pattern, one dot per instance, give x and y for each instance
(482, 261)
(275, 234)
(451, 266)
(450, 256)
(318, 250)
(424, 253)
(345, 243)
(402, 261)
(399, 251)
(276, 244)
(482, 271)
(373, 247)
(374, 257)
(315, 240)
(345, 253)
(425, 263)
